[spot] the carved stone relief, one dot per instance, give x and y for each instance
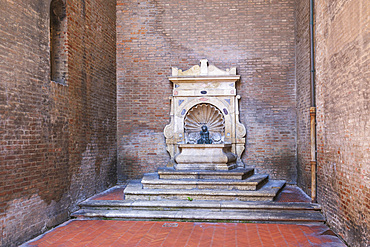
(204, 115)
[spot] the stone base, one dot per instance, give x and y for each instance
(254, 182)
(236, 174)
(205, 157)
(135, 191)
(195, 210)
(207, 167)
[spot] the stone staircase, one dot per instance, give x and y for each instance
(237, 195)
(238, 184)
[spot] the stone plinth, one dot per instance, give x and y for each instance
(205, 157)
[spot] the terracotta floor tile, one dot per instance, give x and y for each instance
(148, 233)
(178, 237)
(173, 236)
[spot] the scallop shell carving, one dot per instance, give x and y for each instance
(204, 114)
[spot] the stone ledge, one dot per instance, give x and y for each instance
(257, 215)
(215, 205)
(152, 181)
(238, 173)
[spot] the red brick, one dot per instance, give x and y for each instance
(342, 113)
(255, 36)
(39, 144)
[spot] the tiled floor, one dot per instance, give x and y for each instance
(289, 194)
(149, 233)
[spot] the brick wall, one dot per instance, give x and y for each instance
(342, 87)
(343, 131)
(57, 143)
(255, 36)
(303, 89)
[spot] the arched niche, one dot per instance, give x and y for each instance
(204, 114)
(58, 41)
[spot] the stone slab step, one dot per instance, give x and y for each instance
(198, 205)
(196, 215)
(134, 191)
(238, 173)
(255, 182)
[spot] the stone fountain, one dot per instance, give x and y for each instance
(205, 96)
(205, 140)
(205, 178)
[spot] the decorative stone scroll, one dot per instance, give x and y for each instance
(204, 95)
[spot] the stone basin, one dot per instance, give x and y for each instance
(205, 157)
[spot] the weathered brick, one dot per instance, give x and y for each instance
(343, 133)
(48, 162)
(255, 36)
(59, 144)
(303, 91)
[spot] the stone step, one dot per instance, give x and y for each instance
(238, 173)
(135, 191)
(178, 205)
(283, 216)
(255, 182)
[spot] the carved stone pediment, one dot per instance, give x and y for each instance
(203, 70)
